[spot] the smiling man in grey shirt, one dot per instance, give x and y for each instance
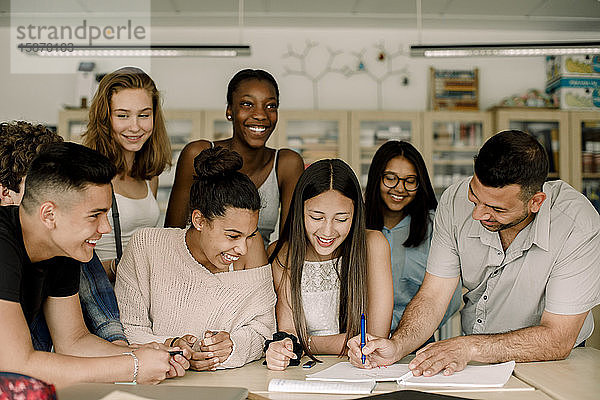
(528, 253)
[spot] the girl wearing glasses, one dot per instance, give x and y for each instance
(400, 203)
(327, 269)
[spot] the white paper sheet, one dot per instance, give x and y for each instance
(294, 386)
(345, 372)
(493, 375)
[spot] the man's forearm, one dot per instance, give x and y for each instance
(536, 343)
(418, 323)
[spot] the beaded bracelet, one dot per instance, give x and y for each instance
(136, 365)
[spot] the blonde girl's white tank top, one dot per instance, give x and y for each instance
(133, 215)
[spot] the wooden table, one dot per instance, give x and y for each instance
(256, 377)
(576, 377)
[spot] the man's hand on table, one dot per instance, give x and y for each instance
(448, 356)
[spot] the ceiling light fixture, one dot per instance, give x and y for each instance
(506, 49)
(144, 51)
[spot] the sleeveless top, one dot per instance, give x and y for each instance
(133, 215)
(268, 216)
(320, 289)
(269, 197)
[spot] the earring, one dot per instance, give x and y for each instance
(198, 228)
(229, 117)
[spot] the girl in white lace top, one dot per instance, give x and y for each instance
(327, 268)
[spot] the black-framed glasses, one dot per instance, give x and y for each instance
(410, 183)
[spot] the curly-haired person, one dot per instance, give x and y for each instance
(20, 142)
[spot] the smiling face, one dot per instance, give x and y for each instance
(253, 112)
(218, 243)
(498, 209)
(80, 221)
(327, 220)
(131, 118)
(397, 198)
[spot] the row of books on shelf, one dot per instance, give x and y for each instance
(462, 134)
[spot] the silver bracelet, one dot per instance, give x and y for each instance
(136, 365)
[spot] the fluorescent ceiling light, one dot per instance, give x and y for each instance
(140, 51)
(505, 49)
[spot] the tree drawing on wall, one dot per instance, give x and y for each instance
(378, 67)
(302, 68)
(361, 66)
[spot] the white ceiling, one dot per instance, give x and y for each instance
(557, 15)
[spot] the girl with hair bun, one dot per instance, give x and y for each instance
(207, 288)
(252, 109)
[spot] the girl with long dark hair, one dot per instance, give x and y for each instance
(327, 268)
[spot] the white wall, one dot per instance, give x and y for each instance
(201, 82)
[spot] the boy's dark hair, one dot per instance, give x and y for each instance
(418, 209)
(512, 157)
(246, 75)
(20, 142)
(219, 184)
(64, 167)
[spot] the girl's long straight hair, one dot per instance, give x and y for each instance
(324, 175)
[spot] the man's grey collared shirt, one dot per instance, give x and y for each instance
(553, 264)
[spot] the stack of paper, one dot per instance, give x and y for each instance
(493, 375)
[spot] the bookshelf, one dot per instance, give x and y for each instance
(450, 140)
(585, 154)
(550, 128)
(371, 129)
(454, 90)
(315, 135)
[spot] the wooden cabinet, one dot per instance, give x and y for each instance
(585, 154)
(182, 126)
(315, 134)
(450, 140)
(371, 129)
(72, 124)
(550, 127)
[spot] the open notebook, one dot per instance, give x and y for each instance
(493, 375)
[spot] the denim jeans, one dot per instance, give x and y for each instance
(98, 304)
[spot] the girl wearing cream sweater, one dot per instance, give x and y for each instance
(208, 288)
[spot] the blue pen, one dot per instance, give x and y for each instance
(363, 338)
